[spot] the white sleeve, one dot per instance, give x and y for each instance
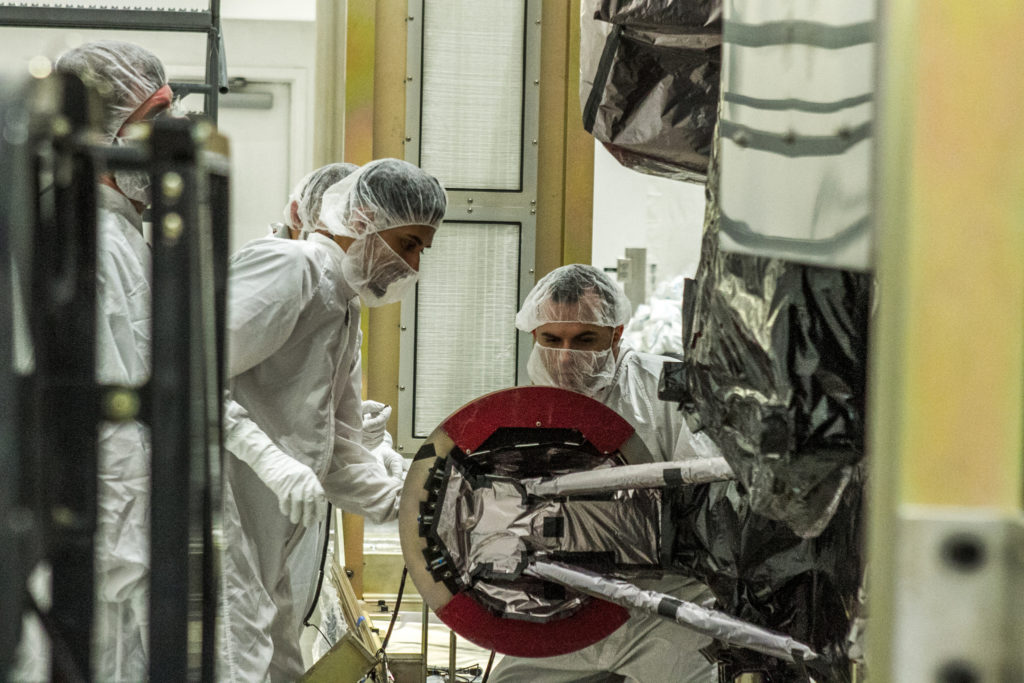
(242, 436)
(357, 480)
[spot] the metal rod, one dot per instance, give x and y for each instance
(118, 19)
(423, 638)
(451, 656)
(717, 625)
(651, 475)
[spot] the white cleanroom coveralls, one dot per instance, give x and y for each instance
(122, 357)
(294, 415)
(293, 328)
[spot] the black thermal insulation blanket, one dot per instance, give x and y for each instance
(650, 82)
(775, 373)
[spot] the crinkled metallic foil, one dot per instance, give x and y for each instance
(650, 82)
(775, 373)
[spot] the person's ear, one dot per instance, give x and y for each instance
(296, 222)
(616, 337)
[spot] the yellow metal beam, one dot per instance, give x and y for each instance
(947, 390)
(360, 40)
(565, 155)
(579, 157)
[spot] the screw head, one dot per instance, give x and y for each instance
(173, 226)
(172, 185)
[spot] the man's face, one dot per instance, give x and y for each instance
(158, 102)
(409, 242)
(575, 336)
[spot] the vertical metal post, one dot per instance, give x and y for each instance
(12, 568)
(66, 406)
(451, 655)
(948, 341)
(172, 386)
(216, 66)
(423, 637)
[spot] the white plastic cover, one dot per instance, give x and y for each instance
(796, 130)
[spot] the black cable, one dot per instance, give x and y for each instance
(320, 576)
(394, 615)
(382, 655)
(487, 671)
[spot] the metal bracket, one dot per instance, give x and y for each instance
(960, 596)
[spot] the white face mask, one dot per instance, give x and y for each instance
(585, 372)
(376, 272)
(133, 184)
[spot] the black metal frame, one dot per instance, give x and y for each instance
(180, 21)
(185, 384)
(48, 440)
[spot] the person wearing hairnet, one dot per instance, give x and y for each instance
(301, 215)
(134, 89)
(576, 315)
(293, 424)
(302, 211)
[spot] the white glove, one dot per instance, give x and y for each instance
(393, 461)
(299, 493)
(375, 419)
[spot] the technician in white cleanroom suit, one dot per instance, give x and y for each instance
(302, 210)
(293, 326)
(134, 89)
(576, 314)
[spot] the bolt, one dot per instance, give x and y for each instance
(401, 387)
(964, 552)
(958, 672)
(121, 404)
(408, 139)
(536, 82)
(202, 132)
(172, 185)
(538, 423)
(60, 126)
(469, 200)
(40, 66)
(469, 210)
(403, 328)
(173, 227)
(408, 78)
(63, 516)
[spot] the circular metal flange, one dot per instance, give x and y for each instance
(464, 433)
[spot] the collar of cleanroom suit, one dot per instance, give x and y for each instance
(645, 648)
(123, 298)
(295, 392)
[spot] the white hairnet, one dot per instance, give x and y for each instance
(576, 293)
(383, 194)
(309, 193)
(125, 74)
